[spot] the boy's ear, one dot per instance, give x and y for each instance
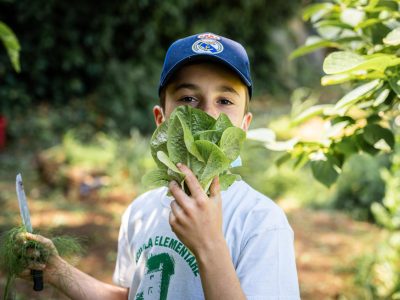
(246, 121)
(158, 115)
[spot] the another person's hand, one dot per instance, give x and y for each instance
(196, 219)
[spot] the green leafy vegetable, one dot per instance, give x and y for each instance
(206, 145)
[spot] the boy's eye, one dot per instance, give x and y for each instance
(225, 102)
(187, 99)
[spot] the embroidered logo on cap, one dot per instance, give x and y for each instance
(207, 46)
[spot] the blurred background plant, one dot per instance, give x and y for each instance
(364, 38)
(357, 133)
(379, 272)
(113, 60)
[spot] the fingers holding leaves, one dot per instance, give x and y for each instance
(193, 183)
(215, 188)
(47, 243)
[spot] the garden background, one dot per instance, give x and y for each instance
(78, 122)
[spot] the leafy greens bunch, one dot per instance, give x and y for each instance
(206, 145)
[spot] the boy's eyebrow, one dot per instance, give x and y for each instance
(229, 89)
(192, 86)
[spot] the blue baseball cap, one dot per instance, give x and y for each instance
(206, 47)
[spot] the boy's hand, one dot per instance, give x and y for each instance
(51, 268)
(196, 219)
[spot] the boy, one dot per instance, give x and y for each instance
(235, 244)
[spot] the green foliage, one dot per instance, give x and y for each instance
(379, 274)
(360, 185)
(192, 137)
(365, 35)
(17, 253)
(113, 51)
(11, 43)
(366, 57)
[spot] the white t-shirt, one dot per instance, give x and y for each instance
(154, 264)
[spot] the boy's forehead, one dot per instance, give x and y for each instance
(205, 68)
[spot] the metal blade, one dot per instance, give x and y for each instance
(23, 205)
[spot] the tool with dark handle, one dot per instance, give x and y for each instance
(37, 275)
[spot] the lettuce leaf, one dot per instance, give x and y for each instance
(206, 145)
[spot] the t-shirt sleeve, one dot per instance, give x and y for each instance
(125, 265)
(266, 266)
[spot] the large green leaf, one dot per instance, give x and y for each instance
(216, 161)
(341, 61)
(373, 134)
(357, 94)
(335, 79)
(352, 16)
(222, 123)
(345, 61)
(11, 43)
(189, 139)
(156, 178)
(176, 146)
(195, 119)
(163, 157)
(393, 38)
(324, 171)
(158, 141)
(231, 141)
(382, 96)
(226, 180)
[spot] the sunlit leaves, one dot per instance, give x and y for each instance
(366, 36)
